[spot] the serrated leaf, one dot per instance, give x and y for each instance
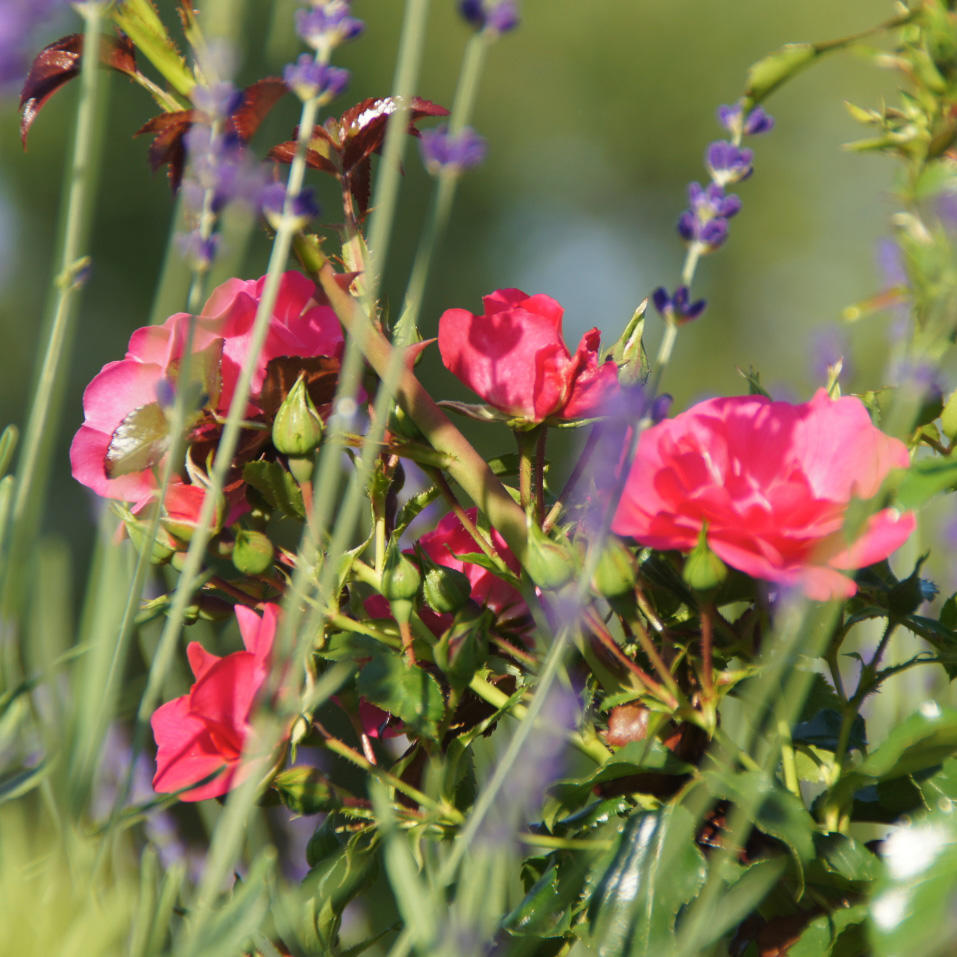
(824, 730)
(276, 486)
(139, 442)
(846, 857)
(943, 639)
(139, 20)
(58, 63)
(940, 788)
(258, 100)
(916, 744)
(543, 912)
(655, 870)
(411, 694)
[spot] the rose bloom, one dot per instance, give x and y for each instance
(205, 731)
(514, 356)
(142, 382)
(772, 481)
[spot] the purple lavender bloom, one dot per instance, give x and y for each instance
(677, 308)
(757, 121)
(328, 26)
(706, 222)
(219, 100)
(219, 163)
(728, 163)
(443, 152)
(309, 79)
(499, 16)
(273, 202)
(198, 250)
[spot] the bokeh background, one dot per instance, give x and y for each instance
(597, 117)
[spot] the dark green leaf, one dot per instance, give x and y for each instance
(918, 743)
(823, 731)
(276, 486)
(822, 933)
(885, 802)
(409, 693)
(655, 870)
(942, 637)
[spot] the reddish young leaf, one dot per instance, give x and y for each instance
(258, 100)
(284, 152)
(58, 63)
(169, 130)
(362, 127)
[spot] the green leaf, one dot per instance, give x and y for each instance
(8, 443)
(940, 636)
(411, 694)
(846, 857)
(771, 71)
(304, 790)
(913, 909)
(916, 744)
(822, 934)
(940, 788)
(924, 479)
(544, 911)
(140, 22)
(885, 802)
(655, 871)
(276, 486)
(823, 731)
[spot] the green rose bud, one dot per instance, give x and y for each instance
(615, 572)
(549, 564)
(704, 571)
(253, 552)
(401, 578)
(445, 590)
(297, 428)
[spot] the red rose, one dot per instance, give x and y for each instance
(772, 481)
(205, 731)
(515, 358)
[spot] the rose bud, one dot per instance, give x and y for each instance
(253, 552)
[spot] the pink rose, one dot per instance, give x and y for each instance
(772, 481)
(450, 539)
(516, 359)
(124, 434)
(205, 731)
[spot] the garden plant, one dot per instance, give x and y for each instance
(518, 655)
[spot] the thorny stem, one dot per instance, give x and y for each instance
(460, 513)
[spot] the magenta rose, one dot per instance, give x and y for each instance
(124, 435)
(514, 356)
(205, 731)
(772, 481)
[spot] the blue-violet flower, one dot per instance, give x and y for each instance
(444, 152)
(499, 16)
(728, 163)
(309, 79)
(677, 308)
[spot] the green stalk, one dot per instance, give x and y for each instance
(32, 475)
(443, 197)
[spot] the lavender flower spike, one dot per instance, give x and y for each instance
(706, 222)
(733, 120)
(728, 163)
(443, 152)
(309, 79)
(499, 16)
(677, 308)
(328, 26)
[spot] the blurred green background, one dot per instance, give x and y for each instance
(597, 117)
